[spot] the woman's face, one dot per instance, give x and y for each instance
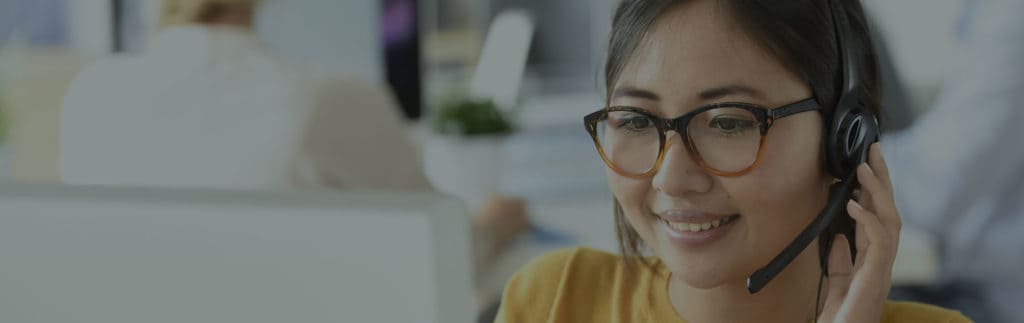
(693, 56)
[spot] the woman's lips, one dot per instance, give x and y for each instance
(691, 216)
(699, 226)
(694, 228)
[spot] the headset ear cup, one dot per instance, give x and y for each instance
(868, 133)
(853, 130)
(835, 144)
(850, 138)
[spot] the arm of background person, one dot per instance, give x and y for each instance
(969, 145)
(358, 139)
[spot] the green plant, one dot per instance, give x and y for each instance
(471, 117)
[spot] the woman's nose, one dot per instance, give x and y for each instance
(679, 175)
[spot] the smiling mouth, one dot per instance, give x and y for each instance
(700, 227)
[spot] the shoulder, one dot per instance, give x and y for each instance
(108, 72)
(98, 91)
(898, 312)
(117, 65)
(555, 284)
(576, 261)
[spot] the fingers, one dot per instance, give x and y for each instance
(876, 253)
(865, 283)
(874, 234)
(861, 237)
(863, 197)
(840, 262)
(872, 186)
(877, 190)
(878, 164)
(872, 224)
(840, 274)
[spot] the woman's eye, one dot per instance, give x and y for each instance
(638, 122)
(732, 125)
(634, 123)
(631, 123)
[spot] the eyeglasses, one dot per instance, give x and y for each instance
(725, 139)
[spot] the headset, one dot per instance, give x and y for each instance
(848, 136)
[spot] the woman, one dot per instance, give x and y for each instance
(709, 215)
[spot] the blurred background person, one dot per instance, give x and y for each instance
(958, 170)
(205, 105)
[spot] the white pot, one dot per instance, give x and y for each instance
(466, 167)
(6, 162)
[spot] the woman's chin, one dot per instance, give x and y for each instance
(701, 280)
(702, 275)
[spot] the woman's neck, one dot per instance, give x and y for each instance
(790, 297)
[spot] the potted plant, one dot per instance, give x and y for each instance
(463, 156)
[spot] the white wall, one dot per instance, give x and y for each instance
(90, 23)
(336, 35)
(339, 35)
(601, 12)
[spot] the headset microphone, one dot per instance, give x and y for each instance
(849, 135)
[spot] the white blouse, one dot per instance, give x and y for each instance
(209, 107)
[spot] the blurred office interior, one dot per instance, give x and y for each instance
(423, 51)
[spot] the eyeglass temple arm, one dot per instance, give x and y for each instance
(791, 109)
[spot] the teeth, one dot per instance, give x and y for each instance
(697, 227)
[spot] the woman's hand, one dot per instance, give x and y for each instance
(857, 290)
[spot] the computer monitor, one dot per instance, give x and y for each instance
(568, 50)
(376, 39)
(111, 255)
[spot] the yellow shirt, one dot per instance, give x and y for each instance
(584, 285)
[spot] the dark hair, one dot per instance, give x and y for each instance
(798, 33)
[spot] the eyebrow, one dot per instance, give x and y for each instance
(635, 93)
(727, 90)
(705, 95)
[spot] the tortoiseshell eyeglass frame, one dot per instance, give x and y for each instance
(765, 118)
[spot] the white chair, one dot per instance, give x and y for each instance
(503, 60)
(210, 109)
